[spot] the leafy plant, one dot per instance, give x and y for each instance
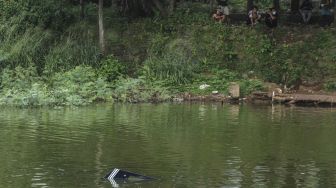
(138, 90)
(330, 86)
(111, 68)
(79, 86)
(248, 86)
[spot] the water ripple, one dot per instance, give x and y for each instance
(184, 145)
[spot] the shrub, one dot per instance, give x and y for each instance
(19, 78)
(48, 14)
(138, 90)
(111, 68)
(79, 86)
(248, 86)
(330, 86)
(22, 87)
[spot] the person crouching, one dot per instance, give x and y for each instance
(218, 16)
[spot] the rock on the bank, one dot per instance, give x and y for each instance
(234, 90)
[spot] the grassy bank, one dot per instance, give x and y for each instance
(46, 62)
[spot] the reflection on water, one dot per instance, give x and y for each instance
(99, 153)
(38, 179)
(183, 145)
(233, 175)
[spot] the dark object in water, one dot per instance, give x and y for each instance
(117, 174)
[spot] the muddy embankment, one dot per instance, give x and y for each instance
(272, 96)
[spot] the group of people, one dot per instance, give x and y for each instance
(271, 16)
(222, 15)
(326, 12)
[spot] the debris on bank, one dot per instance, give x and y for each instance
(294, 99)
(232, 97)
(273, 95)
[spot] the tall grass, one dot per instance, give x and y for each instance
(172, 62)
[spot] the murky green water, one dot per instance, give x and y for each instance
(183, 145)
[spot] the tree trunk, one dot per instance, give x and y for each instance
(81, 3)
(160, 7)
(172, 4)
(101, 27)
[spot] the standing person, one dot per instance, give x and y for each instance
(253, 16)
(327, 14)
(306, 10)
(271, 18)
(223, 6)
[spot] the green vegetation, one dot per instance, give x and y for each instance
(79, 86)
(49, 55)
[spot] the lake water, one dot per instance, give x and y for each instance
(182, 145)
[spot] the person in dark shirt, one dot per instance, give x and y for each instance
(306, 10)
(271, 18)
(327, 14)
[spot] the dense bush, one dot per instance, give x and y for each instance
(250, 85)
(47, 14)
(79, 86)
(330, 86)
(111, 68)
(22, 86)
